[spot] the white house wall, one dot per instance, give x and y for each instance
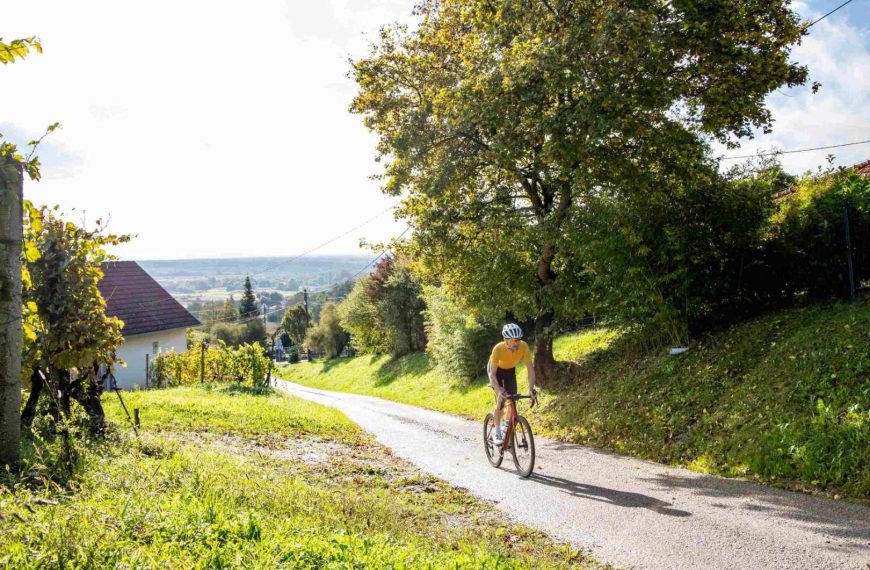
(134, 349)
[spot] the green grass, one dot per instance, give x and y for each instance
(783, 399)
(410, 380)
(187, 495)
(240, 410)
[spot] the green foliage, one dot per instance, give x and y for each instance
(499, 123)
(384, 311)
(668, 265)
(295, 323)
(359, 316)
(236, 334)
(293, 354)
(399, 298)
(246, 364)
(806, 251)
(67, 331)
(458, 342)
(248, 305)
(328, 338)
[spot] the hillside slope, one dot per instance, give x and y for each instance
(784, 398)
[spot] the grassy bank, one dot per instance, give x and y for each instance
(784, 398)
(233, 478)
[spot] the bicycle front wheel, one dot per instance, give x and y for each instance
(493, 452)
(523, 449)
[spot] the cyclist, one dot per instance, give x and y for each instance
(502, 371)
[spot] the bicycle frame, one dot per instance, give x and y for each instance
(510, 402)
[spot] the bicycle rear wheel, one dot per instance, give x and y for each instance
(494, 453)
(523, 448)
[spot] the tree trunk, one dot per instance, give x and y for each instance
(29, 412)
(62, 383)
(545, 362)
(87, 392)
(11, 236)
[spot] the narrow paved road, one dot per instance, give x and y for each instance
(630, 513)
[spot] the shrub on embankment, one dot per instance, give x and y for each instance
(785, 397)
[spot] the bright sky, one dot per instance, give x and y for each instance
(217, 129)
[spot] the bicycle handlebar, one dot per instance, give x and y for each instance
(515, 397)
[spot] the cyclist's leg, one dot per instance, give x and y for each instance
(496, 413)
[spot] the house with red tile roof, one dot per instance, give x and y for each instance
(863, 168)
(154, 321)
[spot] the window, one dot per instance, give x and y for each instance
(155, 346)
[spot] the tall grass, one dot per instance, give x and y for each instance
(207, 486)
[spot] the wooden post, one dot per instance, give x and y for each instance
(136, 418)
(202, 362)
(851, 268)
(147, 371)
(11, 238)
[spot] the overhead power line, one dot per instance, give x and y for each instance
(324, 244)
(794, 151)
(828, 14)
(380, 255)
(279, 309)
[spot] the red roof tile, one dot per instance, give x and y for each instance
(863, 168)
(137, 299)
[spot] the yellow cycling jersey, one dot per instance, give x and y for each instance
(503, 357)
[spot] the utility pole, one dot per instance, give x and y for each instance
(11, 238)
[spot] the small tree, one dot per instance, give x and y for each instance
(70, 334)
(229, 313)
(248, 305)
(328, 338)
(295, 323)
(359, 316)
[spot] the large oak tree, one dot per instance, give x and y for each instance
(499, 119)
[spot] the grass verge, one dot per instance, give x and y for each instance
(783, 399)
(320, 494)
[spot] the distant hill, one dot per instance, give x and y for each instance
(180, 276)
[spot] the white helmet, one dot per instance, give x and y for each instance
(511, 330)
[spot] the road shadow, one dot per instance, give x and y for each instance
(836, 518)
(611, 496)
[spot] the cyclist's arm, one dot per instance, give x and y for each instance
(530, 368)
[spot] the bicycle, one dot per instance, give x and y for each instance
(518, 438)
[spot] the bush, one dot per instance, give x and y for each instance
(458, 342)
(327, 338)
(293, 354)
(807, 251)
(245, 365)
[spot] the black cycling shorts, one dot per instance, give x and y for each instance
(507, 379)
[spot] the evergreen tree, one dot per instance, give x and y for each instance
(248, 305)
